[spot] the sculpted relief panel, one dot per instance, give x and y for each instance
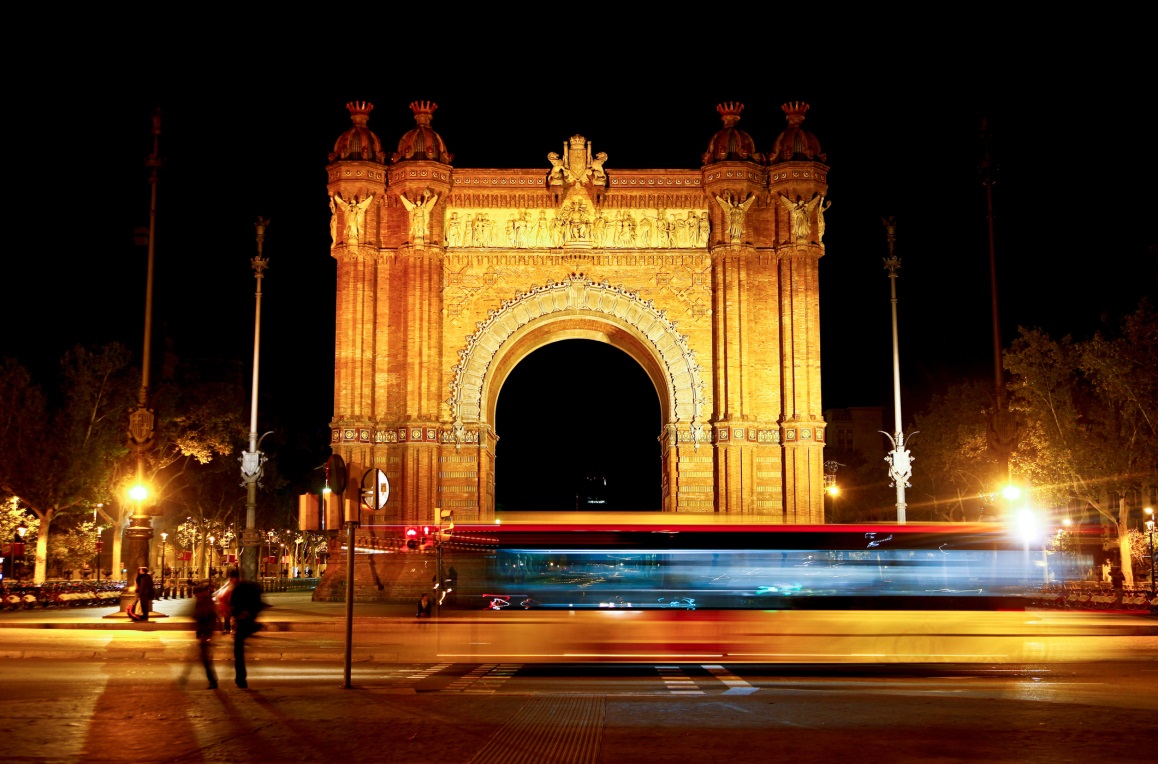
(576, 222)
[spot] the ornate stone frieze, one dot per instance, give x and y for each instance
(576, 294)
(576, 222)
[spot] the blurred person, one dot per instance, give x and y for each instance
(245, 604)
(144, 585)
(1117, 579)
(221, 600)
(424, 606)
(205, 623)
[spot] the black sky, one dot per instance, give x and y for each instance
(1074, 202)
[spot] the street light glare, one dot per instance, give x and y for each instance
(1027, 524)
(138, 493)
(1011, 492)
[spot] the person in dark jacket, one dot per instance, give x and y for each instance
(245, 604)
(145, 592)
(205, 623)
(424, 606)
(1117, 580)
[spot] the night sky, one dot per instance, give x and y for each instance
(1074, 225)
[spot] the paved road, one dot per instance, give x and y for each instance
(79, 686)
(154, 711)
(299, 629)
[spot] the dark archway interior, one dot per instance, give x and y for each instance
(578, 424)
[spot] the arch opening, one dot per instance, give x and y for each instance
(579, 423)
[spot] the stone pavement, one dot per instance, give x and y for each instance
(288, 611)
(294, 628)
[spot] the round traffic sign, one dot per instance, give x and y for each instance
(336, 474)
(375, 489)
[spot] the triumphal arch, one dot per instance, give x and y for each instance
(449, 276)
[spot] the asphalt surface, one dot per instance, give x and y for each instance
(427, 709)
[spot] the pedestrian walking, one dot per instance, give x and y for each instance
(1117, 580)
(144, 585)
(205, 623)
(424, 606)
(245, 604)
(221, 600)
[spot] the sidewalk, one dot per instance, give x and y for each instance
(288, 611)
(293, 628)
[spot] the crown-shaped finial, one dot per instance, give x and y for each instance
(795, 111)
(423, 110)
(730, 111)
(578, 141)
(360, 112)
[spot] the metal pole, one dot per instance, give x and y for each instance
(252, 460)
(900, 467)
(1152, 590)
(1150, 527)
(349, 601)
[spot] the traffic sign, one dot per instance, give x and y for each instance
(336, 474)
(375, 489)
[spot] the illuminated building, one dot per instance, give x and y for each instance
(448, 277)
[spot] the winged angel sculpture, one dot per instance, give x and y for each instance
(734, 212)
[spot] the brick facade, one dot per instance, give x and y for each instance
(454, 275)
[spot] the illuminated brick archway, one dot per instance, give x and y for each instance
(447, 277)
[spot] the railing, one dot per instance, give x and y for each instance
(1086, 597)
(283, 584)
(61, 594)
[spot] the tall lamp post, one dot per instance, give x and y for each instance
(830, 486)
(1002, 426)
(164, 587)
(97, 530)
(253, 459)
(135, 550)
(20, 531)
(1150, 530)
(899, 459)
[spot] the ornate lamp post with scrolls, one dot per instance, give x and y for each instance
(899, 459)
(253, 459)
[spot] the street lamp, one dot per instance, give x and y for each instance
(253, 459)
(209, 554)
(97, 530)
(1150, 530)
(142, 420)
(164, 536)
(20, 531)
(899, 459)
(830, 486)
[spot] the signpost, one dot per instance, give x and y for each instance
(374, 491)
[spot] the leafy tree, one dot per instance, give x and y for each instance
(67, 453)
(1090, 411)
(55, 454)
(73, 548)
(198, 422)
(956, 478)
(12, 516)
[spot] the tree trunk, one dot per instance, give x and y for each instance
(115, 561)
(1124, 543)
(40, 572)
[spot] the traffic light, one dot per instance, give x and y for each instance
(411, 537)
(428, 537)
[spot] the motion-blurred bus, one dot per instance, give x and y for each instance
(661, 560)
